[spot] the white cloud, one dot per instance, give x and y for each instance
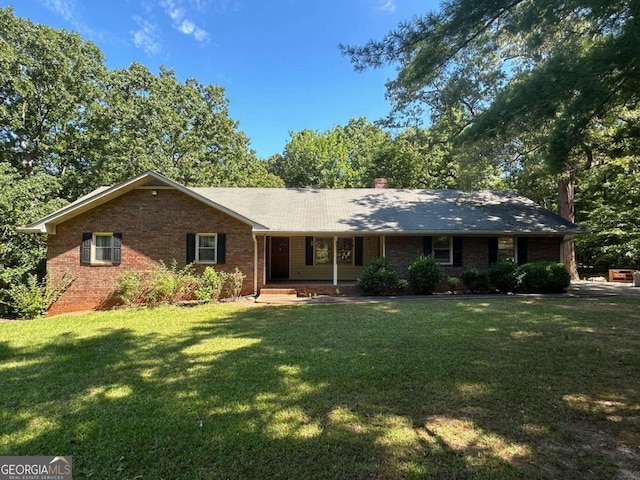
(187, 27)
(67, 10)
(147, 36)
(388, 6)
(201, 35)
(177, 10)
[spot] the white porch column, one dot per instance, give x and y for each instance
(255, 264)
(264, 265)
(383, 246)
(335, 260)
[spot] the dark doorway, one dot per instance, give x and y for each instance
(280, 257)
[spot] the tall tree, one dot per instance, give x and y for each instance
(340, 157)
(182, 130)
(49, 80)
(560, 69)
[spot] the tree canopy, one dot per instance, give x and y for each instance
(518, 82)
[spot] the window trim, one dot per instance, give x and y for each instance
(351, 255)
(514, 241)
(433, 249)
(94, 248)
(215, 249)
(331, 254)
(88, 249)
(315, 251)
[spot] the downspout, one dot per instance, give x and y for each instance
(255, 264)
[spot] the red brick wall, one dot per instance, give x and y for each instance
(153, 228)
(544, 248)
(402, 250)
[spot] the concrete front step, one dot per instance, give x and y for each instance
(279, 291)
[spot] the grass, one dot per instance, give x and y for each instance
(499, 388)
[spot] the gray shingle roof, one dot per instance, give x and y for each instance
(313, 211)
(388, 210)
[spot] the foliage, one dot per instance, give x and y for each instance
(610, 210)
(188, 134)
(503, 276)
(157, 285)
(477, 281)
(379, 277)
(32, 298)
(210, 285)
(337, 158)
(425, 274)
(169, 285)
(543, 277)
(129, 288)
(453, 283)
(28, 299)
(232, 285)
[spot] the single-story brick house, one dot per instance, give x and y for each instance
(311, 238)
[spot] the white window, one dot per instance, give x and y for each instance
(506, 249)
(206, 247)
(323, 251)
(442, 249)
(345, 251)
(101, 248)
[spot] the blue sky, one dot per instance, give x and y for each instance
(278, 60)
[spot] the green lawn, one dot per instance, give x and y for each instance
(498, 388)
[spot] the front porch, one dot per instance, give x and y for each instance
(317, 264)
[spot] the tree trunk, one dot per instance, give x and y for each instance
(566, 209)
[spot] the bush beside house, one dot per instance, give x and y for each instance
(425, 274)
(162, 284)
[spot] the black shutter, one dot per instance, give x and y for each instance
(222, 249)
(117, 248)
(359, 251)
(308, 253)
(493, 249)
(191, 247)
(523, 250)
(427, 245)
(85, 248)
(457, 251)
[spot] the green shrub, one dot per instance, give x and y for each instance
(452, 283)
(28, 300)
(425, 274)
(129, 288)
(210, 285)
(379, 277)
(32, 299)
(160, 284)
(232, 284)
(476, 280)
(544, 277)
(503, 276)
(169, 285)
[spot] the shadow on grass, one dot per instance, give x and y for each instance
(501, 389)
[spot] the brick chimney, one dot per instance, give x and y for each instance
(379, 183)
